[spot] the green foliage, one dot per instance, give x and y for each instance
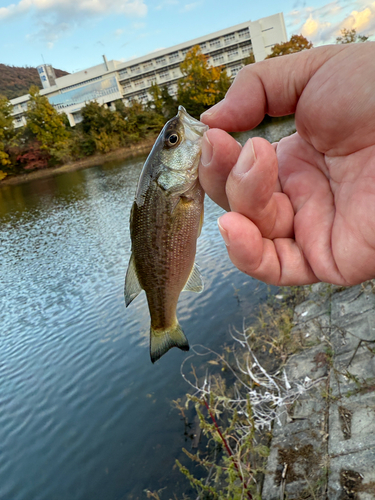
(201, 86)
(48, 139)
(162, 102)
(350, 36)
(250, 59)
(104, 130)
(45, 123)
(6, 131)
(297, 43)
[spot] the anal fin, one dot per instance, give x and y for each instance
(132, 286)
(195, 281)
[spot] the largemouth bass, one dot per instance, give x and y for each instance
(165, 222)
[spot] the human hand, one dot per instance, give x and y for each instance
(302, 210)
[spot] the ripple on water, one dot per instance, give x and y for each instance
(84, 414)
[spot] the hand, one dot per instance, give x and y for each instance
(302, 210)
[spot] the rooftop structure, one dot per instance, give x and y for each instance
(130, 80)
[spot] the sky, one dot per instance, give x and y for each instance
(74, 34)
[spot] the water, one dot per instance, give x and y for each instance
(83, 412)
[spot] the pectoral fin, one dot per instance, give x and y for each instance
(132, 286)
(195, 281)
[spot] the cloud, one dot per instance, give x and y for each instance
(189, 6)
(166, 4)
(119, 32)
(69, 8)
(138, 26)
(361, 20)
(53, 19)
(50, 32)
(324, 24)
(312, 28)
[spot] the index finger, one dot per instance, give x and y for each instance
(271, 87)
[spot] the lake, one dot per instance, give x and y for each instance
(84, 415)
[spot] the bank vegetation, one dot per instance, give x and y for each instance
(47, 140)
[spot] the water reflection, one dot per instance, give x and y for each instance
(84, 414)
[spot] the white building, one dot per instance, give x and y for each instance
(129, 80)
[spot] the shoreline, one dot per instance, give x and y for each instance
(143, 147)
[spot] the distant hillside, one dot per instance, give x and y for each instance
(16, 81)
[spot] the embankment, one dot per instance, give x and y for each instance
(141, 148)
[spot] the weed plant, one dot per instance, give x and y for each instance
(237, 401)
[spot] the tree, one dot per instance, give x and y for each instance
(350, 36)
(295, 44)
(250, 59)
(103, 129)
(6, 130)
(45, 123)
(162, 102)
(201, 86)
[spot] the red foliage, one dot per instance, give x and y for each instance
(33, 158)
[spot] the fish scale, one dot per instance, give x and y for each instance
(165, 223)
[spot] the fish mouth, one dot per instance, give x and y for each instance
(190, 122)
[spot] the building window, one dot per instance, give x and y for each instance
(142, 97)
(172, 90)
(164, 75)
(218, 59)
(139, 84)
(202, 45)
(232, 54)
(151, 81)
(244, 33)
(148, 66)
(235, 69)
(127, 86)
(174, 57)
(185, 51)
(229, 39)
(135, 69)
(246, 49)
(175, 73)
(215, 43)
(161, 61)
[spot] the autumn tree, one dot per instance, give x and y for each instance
(250, 59)
(201, 86)
(350, 36)
(45, 123)
(6, 130)
(103, 129)
(297, 43)
(162, 102)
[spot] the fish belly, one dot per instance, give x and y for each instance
(164, 235)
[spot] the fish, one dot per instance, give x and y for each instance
(165, 221)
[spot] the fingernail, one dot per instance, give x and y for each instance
(246, 159)
(207, 151)
(223, 232)
(210, 112)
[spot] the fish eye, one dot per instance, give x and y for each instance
(172, 140)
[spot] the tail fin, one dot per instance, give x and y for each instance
(162, 340)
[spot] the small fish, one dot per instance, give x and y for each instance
(165, 222)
